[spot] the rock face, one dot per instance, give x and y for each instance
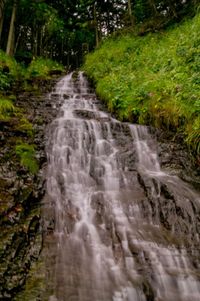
(155, 211)
(120, 223)
(21, 193)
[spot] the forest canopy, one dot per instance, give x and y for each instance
(65, 30)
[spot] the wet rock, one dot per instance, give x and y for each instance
(86, 114)
(21, 193)
(55, 72)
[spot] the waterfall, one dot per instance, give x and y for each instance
(117, 226)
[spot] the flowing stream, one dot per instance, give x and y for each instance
(118, 228)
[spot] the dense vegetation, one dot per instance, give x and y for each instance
(153, 79)
(13, 76)
(66, 30)
(145, 68)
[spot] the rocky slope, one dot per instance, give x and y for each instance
(21, 192)
(22, 269)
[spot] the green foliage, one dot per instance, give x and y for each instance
(7, 61)
(42, 68)
(152, 79)
(25, 126)
(9, 70)
(7, 108)
(193, 138)
(4, 81)
(26, 154)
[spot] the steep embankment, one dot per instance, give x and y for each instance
(24, 113)
(153, 79)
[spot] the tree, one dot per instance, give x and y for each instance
(2, 5)
(10, 43)
(130, 12)
(64, 29)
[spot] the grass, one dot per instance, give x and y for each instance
(26, 153)
(10, 70)
(41, 68)
(7, 108)
(153, 79)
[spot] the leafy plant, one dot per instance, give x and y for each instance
(193, 138)
(25, 126)
(41, 67)
(7, 108)
(26, 153)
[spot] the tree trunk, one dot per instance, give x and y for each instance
(10, 43)
(153, 6)
(40, 42)
(96, 26)
(2, 4)
(1, 26)
(172, 8)
(130, 13)
(17, 40)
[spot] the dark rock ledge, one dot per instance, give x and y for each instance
(21, 195)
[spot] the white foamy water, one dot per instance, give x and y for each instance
(101, 246)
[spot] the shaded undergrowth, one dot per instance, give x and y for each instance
(14, 77)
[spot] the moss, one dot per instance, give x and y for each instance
(152, 79)
(6, 201)
(26, 153)
(25, 126)
(7, 108)
(35, 284)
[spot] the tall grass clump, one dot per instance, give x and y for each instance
(10, 70)
(154, 79)
(7, 108)
(42, 68)
(27, 156)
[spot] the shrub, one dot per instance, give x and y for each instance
(41, 68)
(10, 70)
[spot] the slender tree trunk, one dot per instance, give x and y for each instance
(17, 40)
(130, 13)
(2, 4)
(96, 26)
(1, 26)
(62, 48)
(35, 52)
(10, 43)
(153, 5)
(68, 60)
(40, 42)
(172, 8)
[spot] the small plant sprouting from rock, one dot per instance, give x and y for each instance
(7, 108)
(25, 126)
(26, 153)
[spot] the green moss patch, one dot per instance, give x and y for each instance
(26, 153)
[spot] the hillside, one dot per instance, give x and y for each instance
(153, 79)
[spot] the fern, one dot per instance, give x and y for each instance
(7, 108)
(26, 154)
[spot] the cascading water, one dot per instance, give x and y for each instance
(117, 226)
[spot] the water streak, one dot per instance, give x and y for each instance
(106, 239)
